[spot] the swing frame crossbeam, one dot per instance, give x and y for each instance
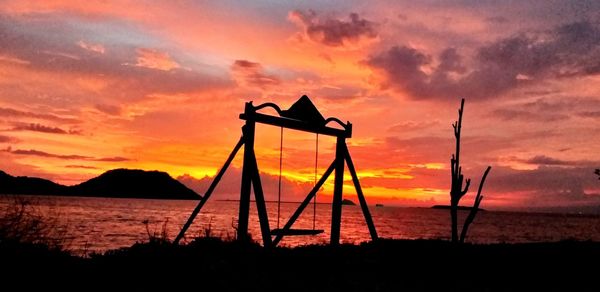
(251, 179)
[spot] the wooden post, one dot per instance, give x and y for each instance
(336, 206)
(361, 196)
(249, 161)
(260, 205)
(210, 190)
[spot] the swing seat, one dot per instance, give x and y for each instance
(296, 231)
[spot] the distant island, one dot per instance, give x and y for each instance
(348, 202)
(447, 207)
(116, 183)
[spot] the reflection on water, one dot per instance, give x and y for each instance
(98, 224)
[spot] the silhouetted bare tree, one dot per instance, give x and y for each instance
(456, 189)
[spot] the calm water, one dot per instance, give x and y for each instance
(98, 224)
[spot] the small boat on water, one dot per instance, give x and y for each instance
(378, 205)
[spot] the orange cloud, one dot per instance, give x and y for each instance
(154, 59)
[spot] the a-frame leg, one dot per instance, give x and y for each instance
(304, 203)
(247, 169)
(361, 197)
(260, 204)
(210, 190)
(336, 205)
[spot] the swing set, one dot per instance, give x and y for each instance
(303, 116)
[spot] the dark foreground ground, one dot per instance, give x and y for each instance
(388, 265)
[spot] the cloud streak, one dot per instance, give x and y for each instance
(81, 166)
(43, 129)
(252, 74)
(33, 152)
(10, 112)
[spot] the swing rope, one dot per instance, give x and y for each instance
(280, 175)
(280, 166)
(316, 165)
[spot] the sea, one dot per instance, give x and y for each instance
(95, 225)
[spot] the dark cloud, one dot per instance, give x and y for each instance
(334, 32)
(590, 114)
(525, 115)
(9, 112)
(545, 160)
(546, 109)
(33, 152)
(497, 19)
(451, 61)
(41, 128)
(402, 68)
(550, 161)
(6, 139)
(568, 50)
(229, 186)
(545, 186)
(109, 109)
(252, 74)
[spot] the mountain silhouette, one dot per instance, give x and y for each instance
(116, 183)
(29, 185)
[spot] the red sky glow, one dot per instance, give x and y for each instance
(90, 86)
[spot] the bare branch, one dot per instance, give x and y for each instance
(475, 208)
(464, 192)
(483, 181)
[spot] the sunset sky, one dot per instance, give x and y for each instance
(88, 86)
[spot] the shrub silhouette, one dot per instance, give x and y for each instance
(21, 222)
